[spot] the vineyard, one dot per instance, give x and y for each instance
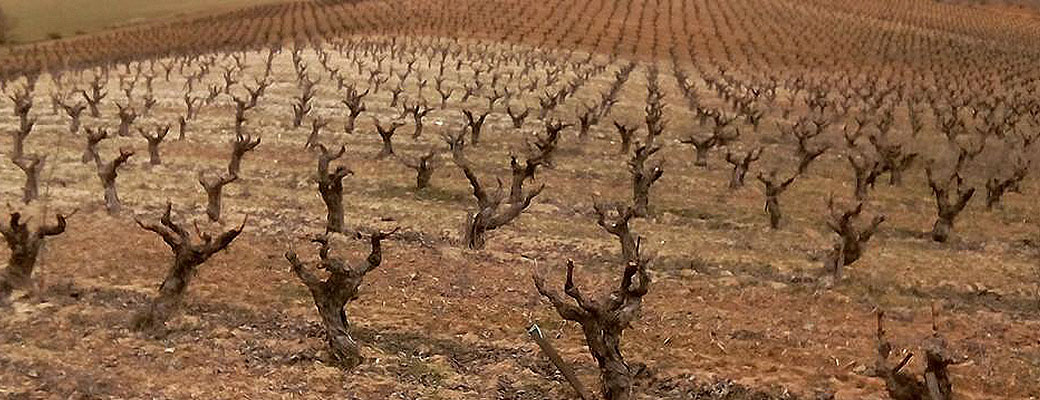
(633, 199)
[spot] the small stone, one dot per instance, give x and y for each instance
(776, 285)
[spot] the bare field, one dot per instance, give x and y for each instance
(736, 309)
(39, 20)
